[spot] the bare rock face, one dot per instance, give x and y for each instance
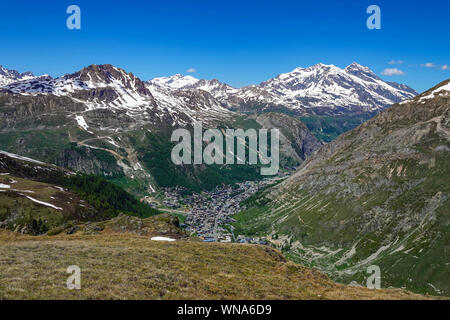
(85, 160)
(296, 140)
(108, 74)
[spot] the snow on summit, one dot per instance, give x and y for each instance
(330, 86)
(355, 87)
(108, 87)
(177, 81)
(8, 76)
(318, 87)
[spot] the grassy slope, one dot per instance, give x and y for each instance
(413, 260)
(65, 196)
(46, 144)
(124, 266)
(83, 198)
(17, 211)
(382, 201)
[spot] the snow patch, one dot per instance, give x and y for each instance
(400, 248)
(26, 191)
(436, 91)
(15, 156)
(162, 239)
(44, 203)
(81, 122)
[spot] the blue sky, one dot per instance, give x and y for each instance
(238, 42)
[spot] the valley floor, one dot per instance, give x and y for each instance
(126, 266)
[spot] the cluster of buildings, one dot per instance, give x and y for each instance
(173, 197)
(209, 213)
(243, 239)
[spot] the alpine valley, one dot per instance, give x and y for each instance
(103, 120)
(51, 217)
(363, 181)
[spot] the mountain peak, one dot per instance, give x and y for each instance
(175, 82)
(328, 87)
(7, 72)
(322, 65)
(317, 66)
(356, 65)
(325, 66)
(8, 76)
(322, 85)
(103, 75)
(361, 71)
(99, 73)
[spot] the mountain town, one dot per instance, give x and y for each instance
(208, 214)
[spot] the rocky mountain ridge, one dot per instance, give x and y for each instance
(103, 120)
(108, 88)
(319, 89)
(9, 76)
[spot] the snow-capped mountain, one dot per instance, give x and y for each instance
(319, 88)
(108, 87)
(175, 82)
(103, 120)
(216, 88)
(180, 100)
(104, 85)
(326, 86)
(9, 76)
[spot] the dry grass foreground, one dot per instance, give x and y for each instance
(125, 266)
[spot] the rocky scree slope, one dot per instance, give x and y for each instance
(377, 195)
